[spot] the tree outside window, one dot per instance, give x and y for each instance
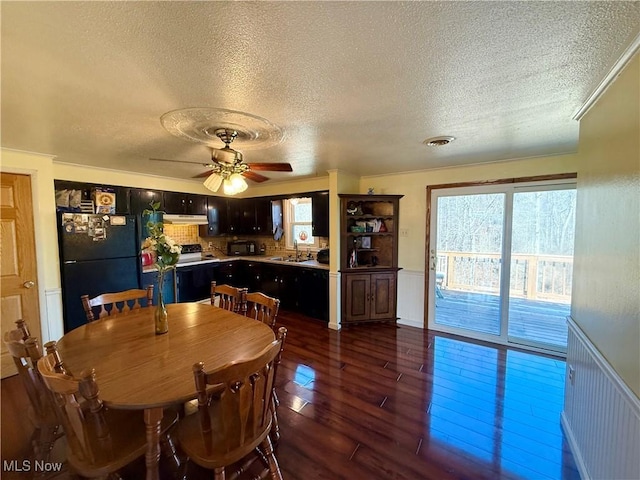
(297, 223)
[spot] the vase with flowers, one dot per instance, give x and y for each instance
(165, 252)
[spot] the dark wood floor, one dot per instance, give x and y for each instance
(386, 402)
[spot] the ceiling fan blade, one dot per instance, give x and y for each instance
(271, 167)
(203, 174)
(256, 177)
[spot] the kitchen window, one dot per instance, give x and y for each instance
(297, 223)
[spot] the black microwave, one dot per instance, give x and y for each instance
(241, 247)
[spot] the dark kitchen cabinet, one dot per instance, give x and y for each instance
(313, 293)
(249, 216)
(228, 272)
(263, 222)
(123, 201)
(217, 218)
(141, 199)
(184, 203)
(281, 282)
(320, 214)
(194, 281)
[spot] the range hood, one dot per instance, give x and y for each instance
(185, 219)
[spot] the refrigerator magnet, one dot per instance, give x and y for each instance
(118, 220)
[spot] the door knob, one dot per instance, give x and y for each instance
(29, 284)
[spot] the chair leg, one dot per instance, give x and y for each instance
(274, 433)
(218, 473)
(168, 449)
(274, 468)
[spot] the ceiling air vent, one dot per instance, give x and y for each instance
(438, 141)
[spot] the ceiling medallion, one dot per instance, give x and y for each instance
(200, 124)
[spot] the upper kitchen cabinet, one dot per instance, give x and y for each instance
(85, 192)
(320, 214)
(184, 203)
(217, 217)
(250, 216)
(263, 216)
(142, 198)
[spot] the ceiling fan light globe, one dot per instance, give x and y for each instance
(213, 182)
(227, 188)
(238, 182)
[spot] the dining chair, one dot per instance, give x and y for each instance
(263, 308)
(41, 412)
(100, 441)
(117, 302)
(234, 413)
(229, 298)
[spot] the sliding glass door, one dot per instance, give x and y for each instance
(501, 261)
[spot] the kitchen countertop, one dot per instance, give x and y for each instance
(252, 258)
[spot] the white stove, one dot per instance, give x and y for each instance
(191, 252)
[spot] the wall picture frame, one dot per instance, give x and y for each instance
(365, 242)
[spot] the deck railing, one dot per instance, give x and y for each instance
(541, 277)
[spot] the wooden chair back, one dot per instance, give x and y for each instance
(71, 394)
(263, 308)
(26, 352)
(100, 441)
(234, 410)
(229, 298)
(118, 302)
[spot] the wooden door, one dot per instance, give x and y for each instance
(383, 296)
(357, 302)
(18, 260)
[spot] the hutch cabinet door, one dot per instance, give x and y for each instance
(383, 296)
(358, 299)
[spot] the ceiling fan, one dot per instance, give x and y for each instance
(227, 166)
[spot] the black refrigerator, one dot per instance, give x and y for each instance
(98, 254)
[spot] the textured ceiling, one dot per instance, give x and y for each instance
(355, 86)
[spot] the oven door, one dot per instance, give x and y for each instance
(194, 283)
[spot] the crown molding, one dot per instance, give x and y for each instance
(617, 68)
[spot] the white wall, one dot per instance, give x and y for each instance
(606, 288)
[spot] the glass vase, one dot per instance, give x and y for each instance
(160, 315)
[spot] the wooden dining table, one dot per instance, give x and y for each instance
(137, 369)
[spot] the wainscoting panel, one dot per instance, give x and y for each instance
(601, 415)
(411, 298)
(53, 328)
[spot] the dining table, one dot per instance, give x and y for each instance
(138, 369)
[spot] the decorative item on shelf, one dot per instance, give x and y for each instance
(352, 208)
(370, 191)
(365, 242)
(353, 260)
(166, 253)
(383, 227)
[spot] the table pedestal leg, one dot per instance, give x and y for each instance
(152, 419)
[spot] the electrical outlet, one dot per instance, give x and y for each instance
(404, 232)
(572, 375)
(210, 244)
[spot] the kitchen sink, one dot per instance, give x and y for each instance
(288, 260)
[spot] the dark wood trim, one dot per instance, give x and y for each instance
(479, 183)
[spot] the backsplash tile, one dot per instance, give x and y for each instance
(189, 234)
